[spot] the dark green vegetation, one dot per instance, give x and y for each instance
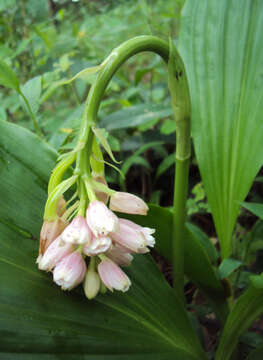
(46, 43)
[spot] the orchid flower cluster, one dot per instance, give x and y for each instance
(93, 247)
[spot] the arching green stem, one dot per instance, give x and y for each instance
(180, 101)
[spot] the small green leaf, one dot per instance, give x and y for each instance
(32, 91)
(99, 133)
(256, 209)
(228, 266)
(165, 165)
(168, 127)
(8, 77)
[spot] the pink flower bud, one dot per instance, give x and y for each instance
(100, 219)
(129, 237)
(112, 276)
(97, 245)
(128, 203)
(56, 251)
(77, 232)
(120, 255)
(49, 232)
(70, 271)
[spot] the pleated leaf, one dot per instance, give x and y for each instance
(37, 319)
(221, 45)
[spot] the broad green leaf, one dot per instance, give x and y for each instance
(7, 76)
(244, 312)
(135, 115)
(256, 209)
(198, 266)
(37, 319)
(228, 266)
(221, 47)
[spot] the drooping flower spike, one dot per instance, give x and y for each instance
(82, 240)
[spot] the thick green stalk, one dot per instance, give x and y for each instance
(179, 215)
(181, 105)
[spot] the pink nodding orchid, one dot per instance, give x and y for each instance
(133, 236)
(112, 276)
(56, 251)
(77, 232)
(128, 203)
(100, 219)
(70, 271)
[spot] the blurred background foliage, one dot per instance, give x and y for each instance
(48, 41)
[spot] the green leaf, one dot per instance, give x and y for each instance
(244, 312)
(197, 263)
(222, 50)
(8, 77)
(134, 116)
(38, 320)
(100, 134)
(256, 209)
(165, 165)
(168, 127)
(228, 266)
(32, 91)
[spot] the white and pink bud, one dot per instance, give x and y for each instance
(145, 231)
(128, 203)
(112, 276)
(120, 255)
(129, 237)
(70, 271)
(77, 232)
(97, 245)
(91, 284)
(100, 219)
(49, 232)
(56, 251)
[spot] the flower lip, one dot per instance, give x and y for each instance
(97, 245)
(77, 232)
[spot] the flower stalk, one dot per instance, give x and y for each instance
(181, 106)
